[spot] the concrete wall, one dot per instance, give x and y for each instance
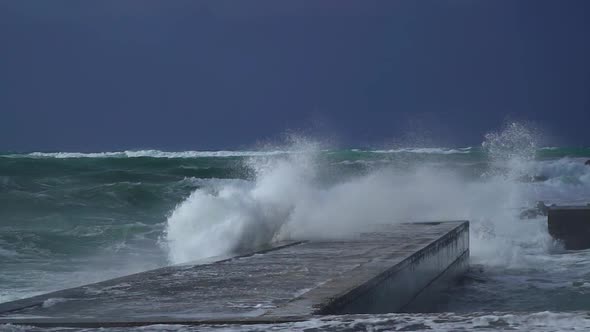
(570, 225)
(412, 284)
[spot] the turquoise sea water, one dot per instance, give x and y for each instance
(71, 218)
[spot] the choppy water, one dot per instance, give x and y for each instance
(71, 218)
(445, 322)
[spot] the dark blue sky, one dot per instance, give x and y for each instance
(112, 74)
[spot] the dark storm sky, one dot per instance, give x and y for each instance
(110, 75)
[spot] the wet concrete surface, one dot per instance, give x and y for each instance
(378, 271)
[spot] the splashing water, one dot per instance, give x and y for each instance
(236, 215)
(514, 142)
(286, 201)
(502, 236)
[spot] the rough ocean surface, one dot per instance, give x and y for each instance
(444, 322)
(68, 219)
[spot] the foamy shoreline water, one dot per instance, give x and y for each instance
(544, 321)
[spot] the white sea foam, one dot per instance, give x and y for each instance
(219, 154)
(50, 302)
(426, 150)
(565, 170)
(444, 322)
(287, 200)
(564, 181)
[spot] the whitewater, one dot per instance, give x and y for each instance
(70, 218)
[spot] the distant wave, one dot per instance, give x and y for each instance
(581, 152)
(218, 154)
(427, 150)
(149, 153)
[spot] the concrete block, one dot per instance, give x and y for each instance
(570, 225)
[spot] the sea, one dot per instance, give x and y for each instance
(72, 218)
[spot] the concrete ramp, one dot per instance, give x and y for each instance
(388, 269)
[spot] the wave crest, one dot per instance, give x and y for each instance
(152, 154)
(287, 200)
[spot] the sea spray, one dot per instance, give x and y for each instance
(502, 237)
(241, 215)
(287, 201)
(514, 144)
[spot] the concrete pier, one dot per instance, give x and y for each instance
(570, 225)
(391, 268)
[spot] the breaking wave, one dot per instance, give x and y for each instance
(286, 200)
(151, 154)
(218, 154)
(565, 170)
(427, 150)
